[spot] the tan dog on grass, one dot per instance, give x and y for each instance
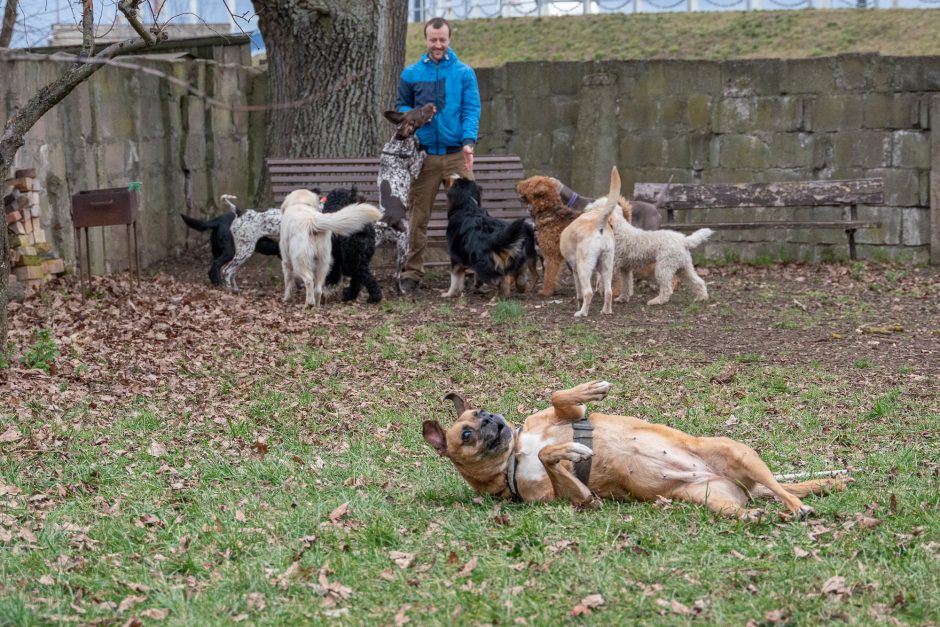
(630, 458)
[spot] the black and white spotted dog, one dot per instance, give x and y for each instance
(247, 228)
(399, 165)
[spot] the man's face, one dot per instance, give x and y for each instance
(438, 40)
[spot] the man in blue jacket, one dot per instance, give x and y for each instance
(448, 139)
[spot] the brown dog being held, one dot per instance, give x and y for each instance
(631, 459)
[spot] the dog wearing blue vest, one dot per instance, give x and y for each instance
(563, 453)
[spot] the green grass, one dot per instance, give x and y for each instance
(212, 515)
(711, 36)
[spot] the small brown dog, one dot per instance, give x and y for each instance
(630, 458)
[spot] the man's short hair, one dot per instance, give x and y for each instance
(436, 22)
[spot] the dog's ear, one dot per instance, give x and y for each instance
(460, 403)
(395, 117)
(434, 435)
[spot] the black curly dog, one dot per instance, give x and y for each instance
(352, 254)
(223, 244)
(495, 250)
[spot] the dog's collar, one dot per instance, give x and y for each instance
(511, 470)
(572, 200)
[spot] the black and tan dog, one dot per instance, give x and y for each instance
(495, 250)
(630, 459)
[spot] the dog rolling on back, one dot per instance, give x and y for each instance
(495, 250)
(306, 239)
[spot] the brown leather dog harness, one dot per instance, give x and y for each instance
(583, 434)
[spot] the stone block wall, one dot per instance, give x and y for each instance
(849, 116)
(122, 126)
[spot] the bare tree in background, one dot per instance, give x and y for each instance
(14, 131)
(9, 20)
(340, 57)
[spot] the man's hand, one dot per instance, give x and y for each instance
(468, 157)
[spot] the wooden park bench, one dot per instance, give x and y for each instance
(497, 174)
(847, 194)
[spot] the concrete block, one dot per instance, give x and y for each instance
(791, 150)
(902, 186)
(915, 226)
(889, 234)
(564, 78)
(840, 112)
(743, 152)
(565, 110)
(753, 77)
(698, 109)
(917, 74)
(867, 149)
(637, 114)
(853, 71)
(807, 76)
(735, 115)
(891, 110)
(529, 78)
(910, 149)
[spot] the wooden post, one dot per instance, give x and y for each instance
(935, 180)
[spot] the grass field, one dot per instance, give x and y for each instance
(194, 457)
(712, 36)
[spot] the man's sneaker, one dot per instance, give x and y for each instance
(407, 285)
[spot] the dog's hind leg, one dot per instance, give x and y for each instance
(690, 276)
(550, 280)
(626, 286)
(288, 278)
(720, 496)
(372, 286)
(806, 488)
(243, 251)
(740, 464)
(584, 280)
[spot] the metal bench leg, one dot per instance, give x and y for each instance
(850, 233)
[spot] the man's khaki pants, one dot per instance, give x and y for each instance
(436, 170)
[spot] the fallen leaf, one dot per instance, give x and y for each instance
(339, 512)
(403, 560)
(468, 568)
(130, 601)
(255, 601)
(675, 607)
(155, 613)
(46, 580)
(835, 587)
(400, 618)
(587, 604)
(12, 434)
(157, 449)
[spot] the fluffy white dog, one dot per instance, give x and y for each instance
(306, 239)
(634, 248)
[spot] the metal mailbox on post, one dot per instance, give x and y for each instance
(105, 207)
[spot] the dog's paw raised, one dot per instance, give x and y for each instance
(578, 452)
(595, 390)
(805, 512)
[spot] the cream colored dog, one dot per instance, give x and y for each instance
(587, 244)
(307, 239)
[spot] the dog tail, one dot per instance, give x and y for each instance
(200, 225)
(346, 221)
(227, 199)
(691, 241)
(613, 196)
(519, 232)
(663, 194)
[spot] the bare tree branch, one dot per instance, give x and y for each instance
(9, 20)
(129, 9)
(88, 29)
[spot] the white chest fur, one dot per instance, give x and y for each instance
(528, 465)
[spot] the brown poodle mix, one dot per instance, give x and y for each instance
(551, 216)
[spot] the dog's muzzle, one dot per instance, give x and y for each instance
(494, 431)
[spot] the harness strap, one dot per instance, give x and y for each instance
(583, 434)
(511, 472)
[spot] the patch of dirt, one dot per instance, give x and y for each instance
(879, 320)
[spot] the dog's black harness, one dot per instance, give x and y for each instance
(583, 434)
(511, 471)
(400, 155)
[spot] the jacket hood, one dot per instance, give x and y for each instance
(450, 58)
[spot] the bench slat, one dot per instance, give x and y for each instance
(688, 226)
(779, 194)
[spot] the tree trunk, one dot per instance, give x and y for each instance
(333, 67)
(9, 21)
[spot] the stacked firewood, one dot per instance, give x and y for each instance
(31, 254)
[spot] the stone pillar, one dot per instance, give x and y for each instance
(935, 180)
